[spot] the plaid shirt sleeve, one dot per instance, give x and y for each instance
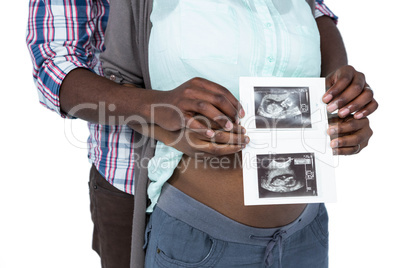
(322, 10)
(63, 35)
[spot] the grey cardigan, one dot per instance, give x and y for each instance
(126, 57)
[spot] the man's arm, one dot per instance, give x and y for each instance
(60, 38)
(97, 99)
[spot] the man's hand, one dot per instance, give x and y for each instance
(175, 109)
(82, 92)
(349, 92)
(349, 135)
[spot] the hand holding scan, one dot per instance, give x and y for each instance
(349, 92)
(349, 135)
(222, 143)
(197, 96)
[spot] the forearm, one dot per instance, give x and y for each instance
(155, 132)
(347, 89)
(333, 52)
(96, 99)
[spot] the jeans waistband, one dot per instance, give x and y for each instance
(183, 207)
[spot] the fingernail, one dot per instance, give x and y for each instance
(246, 140)
(242, 113)
(344, 112)
(237, 121)
(331, 131)
(243, 130)
(334, 144)
(332, 107)
(229, 125)
(327, 98)
(210, 133)
(359, 115)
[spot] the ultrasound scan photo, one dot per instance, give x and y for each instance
(286, 175)
(282, 107)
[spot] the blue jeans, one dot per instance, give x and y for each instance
(217, 241)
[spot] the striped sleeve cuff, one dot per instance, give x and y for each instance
(62, 36)
(322, 10)
(49, 80)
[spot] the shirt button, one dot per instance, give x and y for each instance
(113, 77)
(268, 25)
(270, 59)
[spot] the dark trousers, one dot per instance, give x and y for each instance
(112, 215)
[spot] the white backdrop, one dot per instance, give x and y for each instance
(44, 204)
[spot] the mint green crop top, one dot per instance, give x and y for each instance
(221, 40)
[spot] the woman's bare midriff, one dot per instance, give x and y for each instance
(218, 183)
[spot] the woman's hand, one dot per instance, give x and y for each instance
(349, 92)
(349, 135)
(194, 144)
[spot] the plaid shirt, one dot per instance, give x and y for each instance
(66, 34)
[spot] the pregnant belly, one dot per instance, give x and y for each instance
(218, 183)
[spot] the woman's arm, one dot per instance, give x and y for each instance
(193, 144)
(347, 91)
(333, 52)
